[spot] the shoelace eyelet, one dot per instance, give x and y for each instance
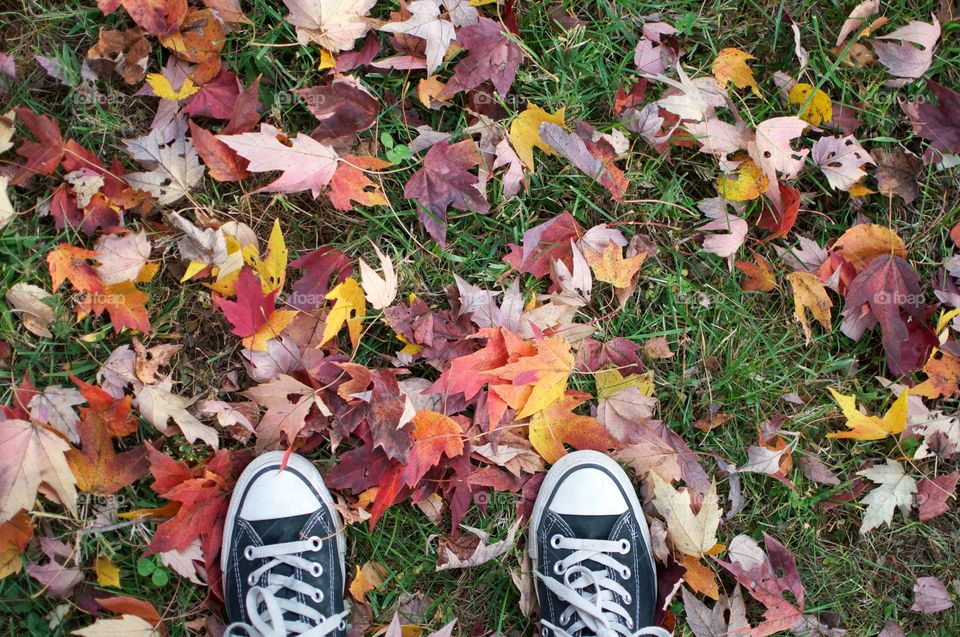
(251, 580)
(316, 570)
(558, 567)
(627, 598)
(248, 553)
(555, 541)
(342, 625)
(630, 623)
(544, 631)
(624, 547)
(317, 596)
(625, 573)
(315, 543)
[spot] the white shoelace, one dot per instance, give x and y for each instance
(270, 622)
(592, 594)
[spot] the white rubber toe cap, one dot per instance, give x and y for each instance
(588, 491)
(278, 494)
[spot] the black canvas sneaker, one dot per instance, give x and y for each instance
(590, 547)
(283, 553)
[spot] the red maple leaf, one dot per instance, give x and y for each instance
(203, 493)
(252, 308)
(42, 156)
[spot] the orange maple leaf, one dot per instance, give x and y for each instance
(535, 382)
(557, 425)
(98, 468)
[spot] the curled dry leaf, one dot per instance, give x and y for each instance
(27, 300)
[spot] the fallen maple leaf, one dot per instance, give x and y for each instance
(525, 132)
(333, 24)
(366, 579)
(343, 107)
(493, 56)
(591, 154)
(158, 17)
(97, 467)
(15, 534)
(841, 159)
(425, 23)
(912, 55)
(725, 618)
(253, 315)
(767, 576)
(722, 245)
(125, 626)
(870, 427)
(27, 301)
(434, 436)
(350, 183)
(890, 288)
(748, 182)
(772, 151)
(816, 106)
(731, 65)
(933, 495)
(306, 164)
(173, 169)
(283, 416)
(349, 307)
(930, 596)
(32, 455)
(444, 180)
(896, 490)
(535, 382)
(760, 278)
(898, 173)
(557, 424)
(42, 156)
(379, 290)
(809, 294)
(937, 123)
(691, 534)
(611, 267)
(121, 257)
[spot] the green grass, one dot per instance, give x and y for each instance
(735, 349)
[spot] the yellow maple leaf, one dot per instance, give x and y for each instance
(107, 573)
(748, 183)
(610, 267)
(272, 268)
(269, 330)
(557, 425)
(350, 307)
(817, 110)
(870, 427)
(731, 66)
(535, 382)
(611, 381)
(366, 579)
(525, 132)
(162, 88)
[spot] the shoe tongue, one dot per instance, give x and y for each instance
(591, 527)
(280, 530)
